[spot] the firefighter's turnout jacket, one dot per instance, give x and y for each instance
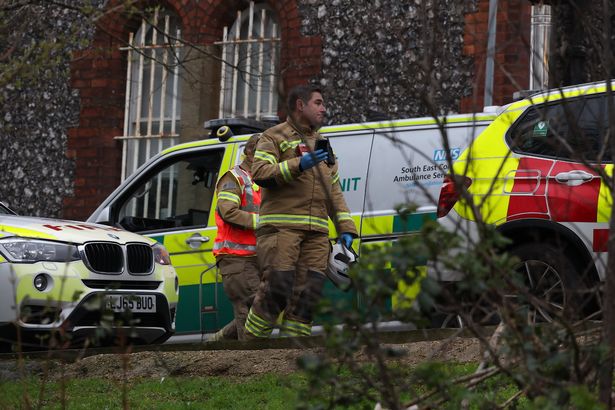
(236, 213)
(293, 198)
(293, 230)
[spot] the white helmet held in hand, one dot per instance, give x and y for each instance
(340, 260)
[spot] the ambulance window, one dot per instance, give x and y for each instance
(178, 193)
(570, 129)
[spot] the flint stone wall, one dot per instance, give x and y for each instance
(37, 105)
(396, 58)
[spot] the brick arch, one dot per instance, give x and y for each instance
(300, 59)
(122, 22)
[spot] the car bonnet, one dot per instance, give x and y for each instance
(65, 231)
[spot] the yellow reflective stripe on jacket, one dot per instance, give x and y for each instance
(294, 328)
(265, 156)
(255, 221)
(284, 145)
(234, 246)
(292, 219)
(344, 216)
(336, 178)
(258, 326)
(285, 171)
(229, 196)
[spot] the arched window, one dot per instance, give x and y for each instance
(152, 111)
(250, 55)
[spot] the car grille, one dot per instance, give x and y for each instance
(140, 258)
(105, 257)
(121, 284)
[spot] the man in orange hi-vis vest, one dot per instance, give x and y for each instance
(235, 246)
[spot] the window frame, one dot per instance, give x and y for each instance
(150, 173)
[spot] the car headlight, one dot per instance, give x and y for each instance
(31, 250)
(161, 255)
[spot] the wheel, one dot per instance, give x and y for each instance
(548, 283)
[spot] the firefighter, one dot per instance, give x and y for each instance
(235, 245)
(300, 189)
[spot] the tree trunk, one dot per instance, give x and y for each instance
(608, 328)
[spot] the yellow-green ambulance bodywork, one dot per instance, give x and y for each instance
(171, 198)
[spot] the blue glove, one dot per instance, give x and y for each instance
(311, 159)
(346, 239)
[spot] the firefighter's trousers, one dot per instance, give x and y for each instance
(293, 263)
(241, 277)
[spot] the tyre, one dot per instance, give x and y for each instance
(6, 347)
(547, 284)
(162, 338)
(7, 336)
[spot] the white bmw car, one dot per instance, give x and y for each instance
(63, 283)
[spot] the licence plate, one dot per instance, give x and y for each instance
(134, 303)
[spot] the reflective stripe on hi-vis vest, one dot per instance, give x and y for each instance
(232, 240)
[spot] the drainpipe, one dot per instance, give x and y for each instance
(539, 47)
(492, 25)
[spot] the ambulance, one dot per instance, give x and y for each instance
(538, 173)
(171, 198)
(63, 283)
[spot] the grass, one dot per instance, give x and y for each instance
(267, 391)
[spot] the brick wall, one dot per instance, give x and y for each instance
(511, 68)
(97, 75)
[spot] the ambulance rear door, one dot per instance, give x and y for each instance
(406, 170)
(352, 146)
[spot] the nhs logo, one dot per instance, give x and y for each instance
(441, 154)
